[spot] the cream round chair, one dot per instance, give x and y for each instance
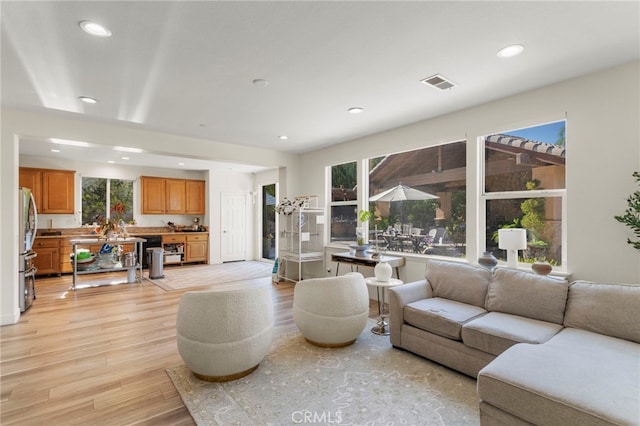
(331, 312)
(224, 335)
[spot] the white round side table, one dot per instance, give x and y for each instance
(381, 286)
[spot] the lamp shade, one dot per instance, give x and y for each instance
(512, 239)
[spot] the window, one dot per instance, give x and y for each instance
(524, 187)
(99, 195)
(431, 218)
(344, 202)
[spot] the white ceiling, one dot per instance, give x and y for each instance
(186, 67)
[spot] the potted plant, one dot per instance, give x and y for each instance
(631, 216)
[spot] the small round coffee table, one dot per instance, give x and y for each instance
(381, 286)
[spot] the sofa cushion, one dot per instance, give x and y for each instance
(458, 281)
(528, 295)
(577, 377)
(495, 332)
(440, 316)
(611, 309)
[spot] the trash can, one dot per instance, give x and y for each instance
(155, 259)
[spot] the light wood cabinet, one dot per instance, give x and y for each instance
(175, 200)
(172, 196)
(48, 259)
(195, 196)
(197, 248)
(32, 179)
(153, 193)
(173, 246)
(53, 190)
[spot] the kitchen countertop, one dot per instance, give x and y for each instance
(106, 240)
(139, 232)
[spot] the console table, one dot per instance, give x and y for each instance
(367, 259)
(137, 248)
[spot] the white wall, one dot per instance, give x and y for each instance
(17, 123)
(603, 150)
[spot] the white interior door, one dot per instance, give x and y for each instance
(234, 219)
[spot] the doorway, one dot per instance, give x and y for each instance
(269, 201)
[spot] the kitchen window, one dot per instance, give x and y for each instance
(100, 195)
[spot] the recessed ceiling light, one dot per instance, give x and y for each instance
(355, 110)
(283, 137)
(126, 158)
(510, 51)
(55, 150)
(94, 29)
(180, 164)
(88, 100)
(111, 162)
(127, 149)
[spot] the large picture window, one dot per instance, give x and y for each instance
(524, 187)
(418, 201)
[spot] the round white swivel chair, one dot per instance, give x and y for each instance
(224, 335)
(331, 312)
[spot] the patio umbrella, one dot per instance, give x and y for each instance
(402, 193)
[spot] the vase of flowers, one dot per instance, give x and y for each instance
(109, 227)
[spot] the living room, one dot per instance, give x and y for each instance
(601, 109)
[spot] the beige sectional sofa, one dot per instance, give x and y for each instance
(544, 351)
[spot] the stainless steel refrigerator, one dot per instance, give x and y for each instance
(28, 219)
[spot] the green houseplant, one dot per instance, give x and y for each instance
(631, 216)
(363, 216)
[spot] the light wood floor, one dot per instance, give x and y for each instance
(97, 356)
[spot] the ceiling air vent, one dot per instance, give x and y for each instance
(438, 82)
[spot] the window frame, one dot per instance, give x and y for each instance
(484, 197)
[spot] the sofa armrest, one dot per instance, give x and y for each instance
(399, 297)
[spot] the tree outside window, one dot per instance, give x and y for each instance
(100, 195)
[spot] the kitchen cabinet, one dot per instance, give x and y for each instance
(197, 248)
(195, 196)
(32, 179)
(153, 193)
(172, 196)
(48, 260)
(173, 246)
(175, 198)
(53, 190)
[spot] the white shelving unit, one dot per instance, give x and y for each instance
(301, 242)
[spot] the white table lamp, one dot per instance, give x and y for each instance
(512, 240)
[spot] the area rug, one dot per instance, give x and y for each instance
(178, 278)
(368, 383)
